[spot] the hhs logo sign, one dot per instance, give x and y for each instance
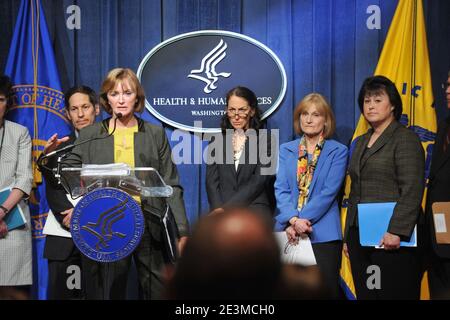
(187, 77)
(208, 68)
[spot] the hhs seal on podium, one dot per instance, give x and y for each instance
(107, 224)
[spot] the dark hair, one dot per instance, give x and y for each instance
(377, 84)
(247, 94)
(6, 89)
(80, 89)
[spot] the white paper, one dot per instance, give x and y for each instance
(301, 253)
(113, 169)
(53, 227)
(439, 223)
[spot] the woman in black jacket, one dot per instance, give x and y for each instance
(235, 175)
(387, 165)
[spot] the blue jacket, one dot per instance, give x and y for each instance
(322, 207)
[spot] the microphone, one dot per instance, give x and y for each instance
(71, 146)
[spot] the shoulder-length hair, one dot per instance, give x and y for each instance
(376, 85)
(247, 94)
(119, 75)
(324, 109)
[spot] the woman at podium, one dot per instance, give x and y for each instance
(125, 138)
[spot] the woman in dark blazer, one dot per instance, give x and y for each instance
(387, 165)
(439, 191)
(139, 144)
(311, 170)
(235, 175)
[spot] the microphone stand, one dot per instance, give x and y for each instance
(64, 152)
(106, 281)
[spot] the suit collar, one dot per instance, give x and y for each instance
(246, 155)
(385, 136)
(359, 150)
(105, 125)
(328, 147)
(293, 145)
(244, 158)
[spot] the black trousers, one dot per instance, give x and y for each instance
(58, 276)
(439, 277)
(400, 271)
(328, 257)
(110, 279)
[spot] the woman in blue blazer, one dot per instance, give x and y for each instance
(311, 170)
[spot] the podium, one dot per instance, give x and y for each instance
(143, 182)
(107, 222)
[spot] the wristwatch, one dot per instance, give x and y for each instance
(4, 209)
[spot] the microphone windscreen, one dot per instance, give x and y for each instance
(119, 115)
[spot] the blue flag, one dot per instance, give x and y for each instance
(39, 105)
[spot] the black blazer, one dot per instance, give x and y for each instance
(246, 186)
(392, 170)
(57, 248)
(439, 184)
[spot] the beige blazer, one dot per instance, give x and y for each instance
(16, 172)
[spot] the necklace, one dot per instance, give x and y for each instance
(239, 139)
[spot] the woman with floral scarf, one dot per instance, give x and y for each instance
(311, 170)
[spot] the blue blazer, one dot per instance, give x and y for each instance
(322, 207)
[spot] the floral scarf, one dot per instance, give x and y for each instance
(305, 170)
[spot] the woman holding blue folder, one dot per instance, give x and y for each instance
(311, 170)
(386, 166)
(16, 179)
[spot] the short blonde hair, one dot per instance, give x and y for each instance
(118, 75)
(324, 109)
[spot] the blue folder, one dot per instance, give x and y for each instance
(373, 219)
(15, 217)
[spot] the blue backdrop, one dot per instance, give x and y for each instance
(325, 46)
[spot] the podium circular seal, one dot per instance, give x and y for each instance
(107, 224)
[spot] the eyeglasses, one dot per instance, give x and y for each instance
(241, 112)
(445, 85)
